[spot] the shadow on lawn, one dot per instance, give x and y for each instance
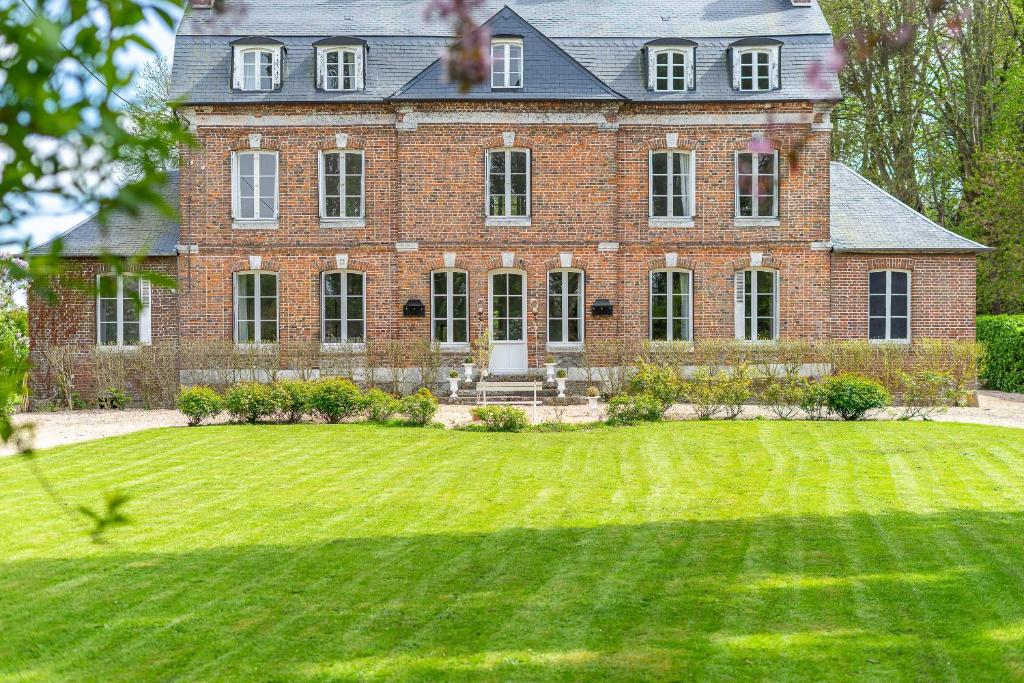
(887, 596)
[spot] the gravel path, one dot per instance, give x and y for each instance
(55, 429)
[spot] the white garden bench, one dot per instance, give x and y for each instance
(510, 388)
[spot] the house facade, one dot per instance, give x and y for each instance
(661, 173)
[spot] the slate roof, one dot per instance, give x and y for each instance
(864, 217)
(605, 36)
(123, 234)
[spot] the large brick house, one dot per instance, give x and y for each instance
(658, 169)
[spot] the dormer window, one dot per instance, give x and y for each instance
(257, 64)
(670, 65)
(340, 64)
(507, 63)
(755, 65)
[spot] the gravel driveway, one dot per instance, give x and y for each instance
(55, 429)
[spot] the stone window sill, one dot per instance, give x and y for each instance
(122, 348)
(516, 222)
(756, 223)
(342, 223)
(564, 347)
(254, 225)
(343, 348)
(457, 347)
(898, 342)
(663, 222)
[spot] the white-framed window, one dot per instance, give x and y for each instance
(508, 183)
(340, 68)
(257, 68)
(123, 304)
(757, 184)
(565, 306)
(671, 305)
(755, 69)
(341, 184)
(449, 310)
(506, 63)
(256, 307)
(670, 69)
(757, 304)
(254, 186)
(343, 307)
(889, 305)
(671, 184)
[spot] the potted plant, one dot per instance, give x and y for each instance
(562, 375)
(549, 369)
(592, 395)
(467, 363)
(453, 383)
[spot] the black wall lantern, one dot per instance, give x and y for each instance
(414, 308)
(601, 307)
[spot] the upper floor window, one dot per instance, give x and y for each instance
(757, 192)
(254, 186)
(757, 304)
(889, 305)
(122, 310)
(565, 307)
(507, 63)
(256, 307)
(257, 64)
(671, 184)
(670, 69)
(449, 312)
(508, 183)
(671, 305)
(756, 68)
(340, 64)
(341, 184)
(343, 307)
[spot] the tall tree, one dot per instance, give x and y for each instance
(151, 117)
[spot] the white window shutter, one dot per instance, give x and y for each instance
(359, 68)
(691, 67)
(236, 69)
(651, 68)
(145, 324)
(321, 67)
(738, 304)
(773, 61)
(735, 69)
(234, 185)
(275, 65)
(777, 327)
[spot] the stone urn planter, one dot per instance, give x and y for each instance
(453, 385)
(593, 396)
(468, 367)
(549, 370)
(560, 379)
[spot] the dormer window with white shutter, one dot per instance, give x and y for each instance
(755, 64)
(339, 64)
(670, 65)
(256, 64)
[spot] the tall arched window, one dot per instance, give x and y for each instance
(565, 307)
(343, 307)
(256, 307)
(671, 305)
(449, 310)
(508, 183)
(757, 304)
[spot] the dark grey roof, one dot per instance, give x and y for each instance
(553, 18)
(123, 234)
(864, 217)
(605, 36)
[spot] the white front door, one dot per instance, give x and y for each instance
(508, 323)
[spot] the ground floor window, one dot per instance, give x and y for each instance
(671, 299)
(757, 305)
(449, 312)
(122, 310)
(344, 307)
(256, 307)
(565, 307)
(889, 305)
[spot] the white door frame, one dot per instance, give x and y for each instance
(507, 357)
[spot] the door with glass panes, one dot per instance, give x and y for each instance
(508, 323)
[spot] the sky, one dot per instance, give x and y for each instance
(53, 217)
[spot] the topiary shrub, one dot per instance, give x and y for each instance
(782, 396)
(296, 395)
(1002, 366)
(380, 407)
(627, 409)
(252, 401)
(335, 399)
(658, 381)
(852, 397)
(419, 408)
(199, 403)
(502, 418)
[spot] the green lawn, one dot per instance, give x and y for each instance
(706, 551)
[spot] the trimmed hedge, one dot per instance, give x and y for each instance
(1003, 338)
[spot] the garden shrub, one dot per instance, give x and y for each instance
(335, 399)
(419, 408)
(659, 381)
(295, 395)
(252, 401)
(114, 399)
(502, 418)
(926, 393)
(1003, 340)
(782, 396)
(713, 393)
(627, 409)
(852, 397)
(199, 403)
(380, 407)
(814, 401)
